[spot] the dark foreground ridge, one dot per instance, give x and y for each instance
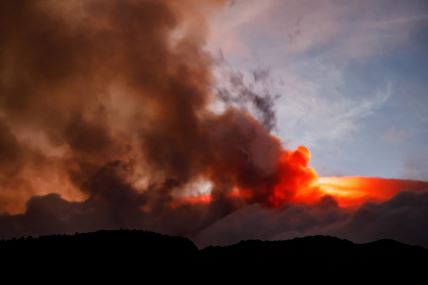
(131, 248)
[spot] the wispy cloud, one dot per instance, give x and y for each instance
(295, 27)
(313, 117)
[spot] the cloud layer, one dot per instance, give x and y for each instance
(401, 218)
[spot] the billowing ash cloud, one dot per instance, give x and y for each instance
(107, 104)
(84, 83)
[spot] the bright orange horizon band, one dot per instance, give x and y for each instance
(348, 191)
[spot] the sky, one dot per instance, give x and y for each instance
(351, 78)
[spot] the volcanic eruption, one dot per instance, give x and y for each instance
(108, 105)
(87, 84)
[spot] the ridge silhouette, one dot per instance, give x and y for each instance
(137, 250)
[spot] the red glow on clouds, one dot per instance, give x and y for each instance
(293, 182)
(201, 199)
(296, 179)
(351, 192)
(297, 183)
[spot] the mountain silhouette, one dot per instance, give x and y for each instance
(136, 251)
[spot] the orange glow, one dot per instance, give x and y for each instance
(296, 179)
(201, 199)
(351, 192)
(294, 182)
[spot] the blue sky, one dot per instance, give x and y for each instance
(352, 78)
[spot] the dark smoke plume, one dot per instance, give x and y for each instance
(106, 104)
